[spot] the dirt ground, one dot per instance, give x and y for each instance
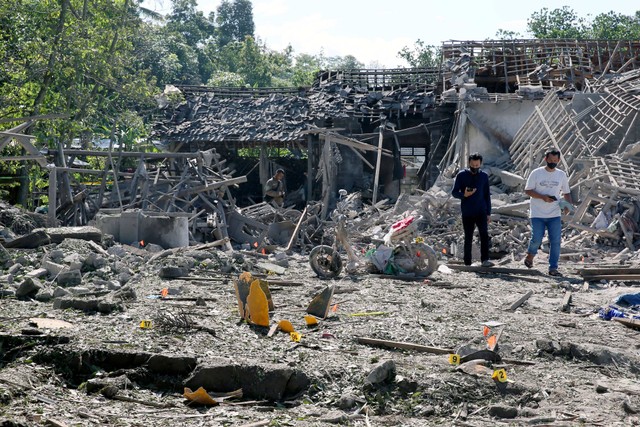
(579, 369)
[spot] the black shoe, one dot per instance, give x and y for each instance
(555, 272)
(528, 263)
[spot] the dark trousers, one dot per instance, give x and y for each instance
(469, 223)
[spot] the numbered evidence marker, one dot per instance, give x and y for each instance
(454, 359)
(145, 324)
(500, 375)
(295, 336)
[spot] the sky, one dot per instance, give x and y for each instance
(374, 31)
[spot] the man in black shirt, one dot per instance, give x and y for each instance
(472, 188)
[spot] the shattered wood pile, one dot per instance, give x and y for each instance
(171, 183)
(547, 62)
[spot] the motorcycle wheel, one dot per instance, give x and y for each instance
(325, 262)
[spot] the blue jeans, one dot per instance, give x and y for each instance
(554, 227)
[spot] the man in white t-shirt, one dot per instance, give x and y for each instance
(545, 186)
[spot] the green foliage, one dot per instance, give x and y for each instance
(615, 26)
(226, 79)
(235, 21)
(421, 55)
(508, 35)
(565, 23)
(561, 23)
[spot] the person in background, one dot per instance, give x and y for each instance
(545, 186)
(274, 189)
(472, 188)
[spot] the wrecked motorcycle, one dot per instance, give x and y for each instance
(402, 253)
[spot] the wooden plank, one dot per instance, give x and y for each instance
(630, 323)
(294, 235)
(403, 345)
(52, 220)
(566, 302)
(587, 272)
(520, 301)
(503, 270)
(376, 179)
(631, 277)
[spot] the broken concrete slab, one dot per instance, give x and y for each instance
(270, 382)
(86, 305)
(69, 278)
(383, 372)
(28, 288)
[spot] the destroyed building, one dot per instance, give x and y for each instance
(376, 132)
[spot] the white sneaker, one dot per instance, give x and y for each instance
(487, 263)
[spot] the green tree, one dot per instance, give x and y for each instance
(615, 26)
(74, 57)
(191, 23)
(560, 23)
(235, 21)
(305, 68)
(421, 55)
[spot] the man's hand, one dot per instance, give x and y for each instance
(548, 199)
(469, 192)
(488, 219)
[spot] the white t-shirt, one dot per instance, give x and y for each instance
(553, 183)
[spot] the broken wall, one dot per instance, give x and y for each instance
(491, 127)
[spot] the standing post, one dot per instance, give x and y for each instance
(309, 168)
(377, 175)
(53, 196)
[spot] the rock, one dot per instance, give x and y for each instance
(7, 293)
(117, 251)
(120, 267)
(347, 401)
(427, 411)
(37, 273)
(56, 255)
(113, 285)
(74, 261)
(69, 278)
(126, 293)
(271, 382)
(171, 365)
(78, 290)
(124, 277)
(28, 288)
(60, 292)
(200, 302)
(44, 296)
(95, 385)
(172, 272)
(153, 248)
(87, 305)
(53, 268)
(500, 411)
(94, 261)
(382, 372)
(23, 260)
(629, 408)
(7, 278)
(600, 389)
(405, 385)
(15, 268)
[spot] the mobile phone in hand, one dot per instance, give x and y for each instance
(553, 197)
